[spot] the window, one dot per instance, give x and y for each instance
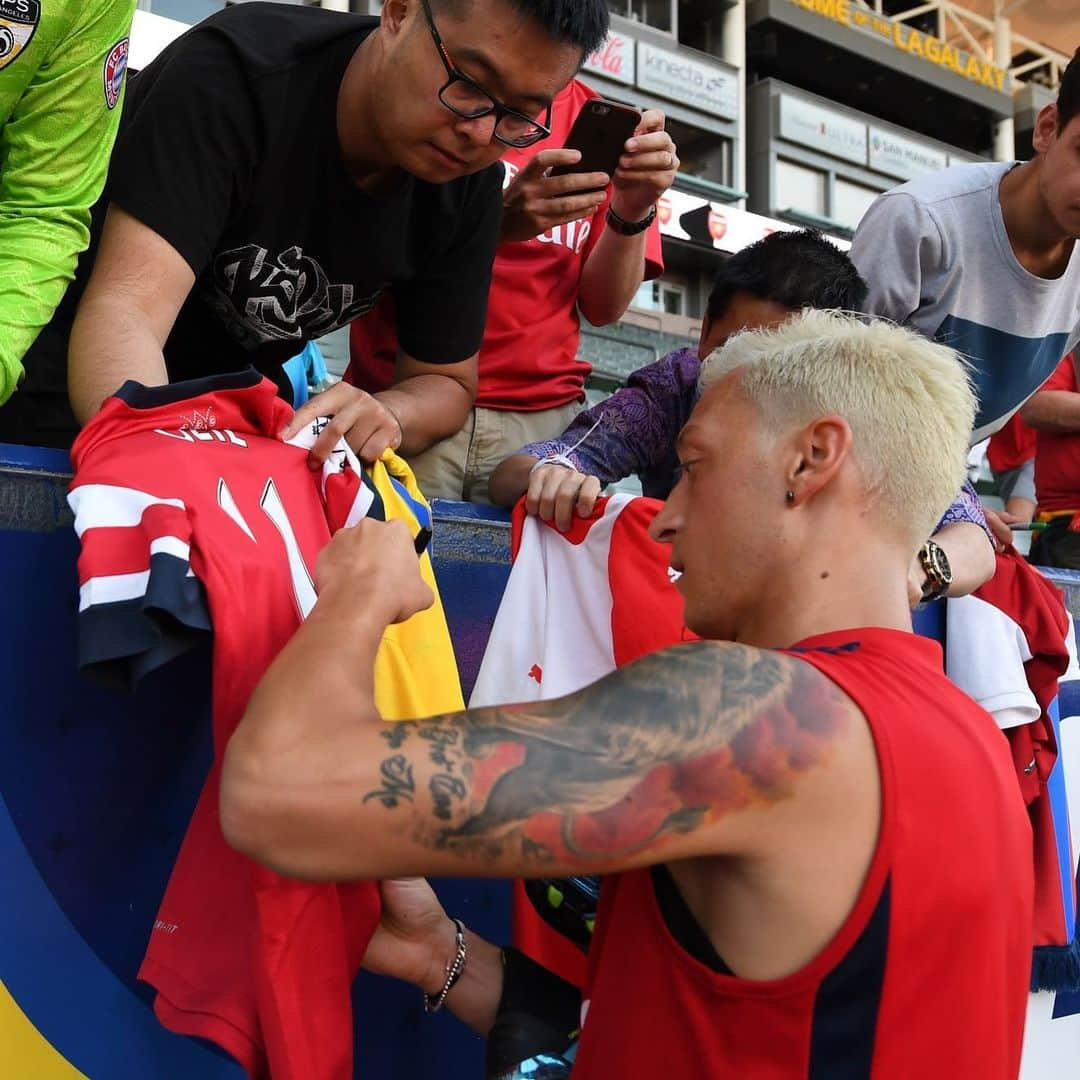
(701, 153)
(672, 299)
(647, 297)
(850, 202)
(193, 11)
(661, 296)
(659, 14)
(799, 187)
(187, 11)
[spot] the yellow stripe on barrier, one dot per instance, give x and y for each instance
(26, 1052)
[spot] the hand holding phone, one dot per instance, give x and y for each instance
(563, 185)
(599, 134)
(646, 168)
(534, 201)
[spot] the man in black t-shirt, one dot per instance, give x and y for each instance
(277, 168)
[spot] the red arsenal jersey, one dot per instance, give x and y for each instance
(1010, 447)
(581, 603)
(1057, 463)
(928, 975)
(192, 514)
(528, 360)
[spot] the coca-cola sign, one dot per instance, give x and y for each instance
(614, 59)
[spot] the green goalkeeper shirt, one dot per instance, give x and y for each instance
(62, 65)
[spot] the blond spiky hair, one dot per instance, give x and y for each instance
(908, 400)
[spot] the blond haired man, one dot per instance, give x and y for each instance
(797, 884)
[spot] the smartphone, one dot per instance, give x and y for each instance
(600, 133)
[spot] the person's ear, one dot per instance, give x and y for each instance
(394, 16)
(818, 452)
(1046, 129)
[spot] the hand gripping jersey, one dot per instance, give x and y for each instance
(577, 605)
(193, 515)
(928, 975)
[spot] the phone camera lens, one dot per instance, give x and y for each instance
(602, 110)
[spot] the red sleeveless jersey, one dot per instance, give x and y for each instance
(928, 975)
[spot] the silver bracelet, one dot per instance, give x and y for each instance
(454, 968)
(555, 459)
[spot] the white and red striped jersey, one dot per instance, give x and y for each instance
(182, 495)
(579, 604)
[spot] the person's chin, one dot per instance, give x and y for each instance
(435, 165)
(701, 618)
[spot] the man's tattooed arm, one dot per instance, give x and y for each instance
(649, 764)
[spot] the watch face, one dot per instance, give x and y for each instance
(935, 564)
(941, 563)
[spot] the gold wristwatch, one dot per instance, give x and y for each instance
(935, 565)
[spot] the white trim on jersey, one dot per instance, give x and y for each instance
(170, 545)
(305, 440)
(109, 506)
(985, 653)
(113, 589)
(552, 632)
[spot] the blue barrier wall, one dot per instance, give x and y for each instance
(96, 789)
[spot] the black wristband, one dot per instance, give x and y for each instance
(630, 228)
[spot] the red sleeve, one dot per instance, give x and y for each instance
(373, 347)
(140, 604)
(1064, 377)
(654, 251)
(654, 248)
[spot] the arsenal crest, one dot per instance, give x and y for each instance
(18, 21)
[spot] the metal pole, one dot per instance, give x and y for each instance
(1004, 133)
(733, 48)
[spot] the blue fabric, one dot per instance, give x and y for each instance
(306, 368)
(847, 1003)
(1057, 967)
(420, 511)
(1007, 369)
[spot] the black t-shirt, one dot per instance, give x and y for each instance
(230, 152)
(228, 149)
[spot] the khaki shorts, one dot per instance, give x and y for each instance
(459, 467)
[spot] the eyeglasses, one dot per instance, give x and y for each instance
(469, 100)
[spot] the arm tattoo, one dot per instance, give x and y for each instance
(672, 742)
(397, 775)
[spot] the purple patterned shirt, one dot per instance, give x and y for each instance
(634, 431)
